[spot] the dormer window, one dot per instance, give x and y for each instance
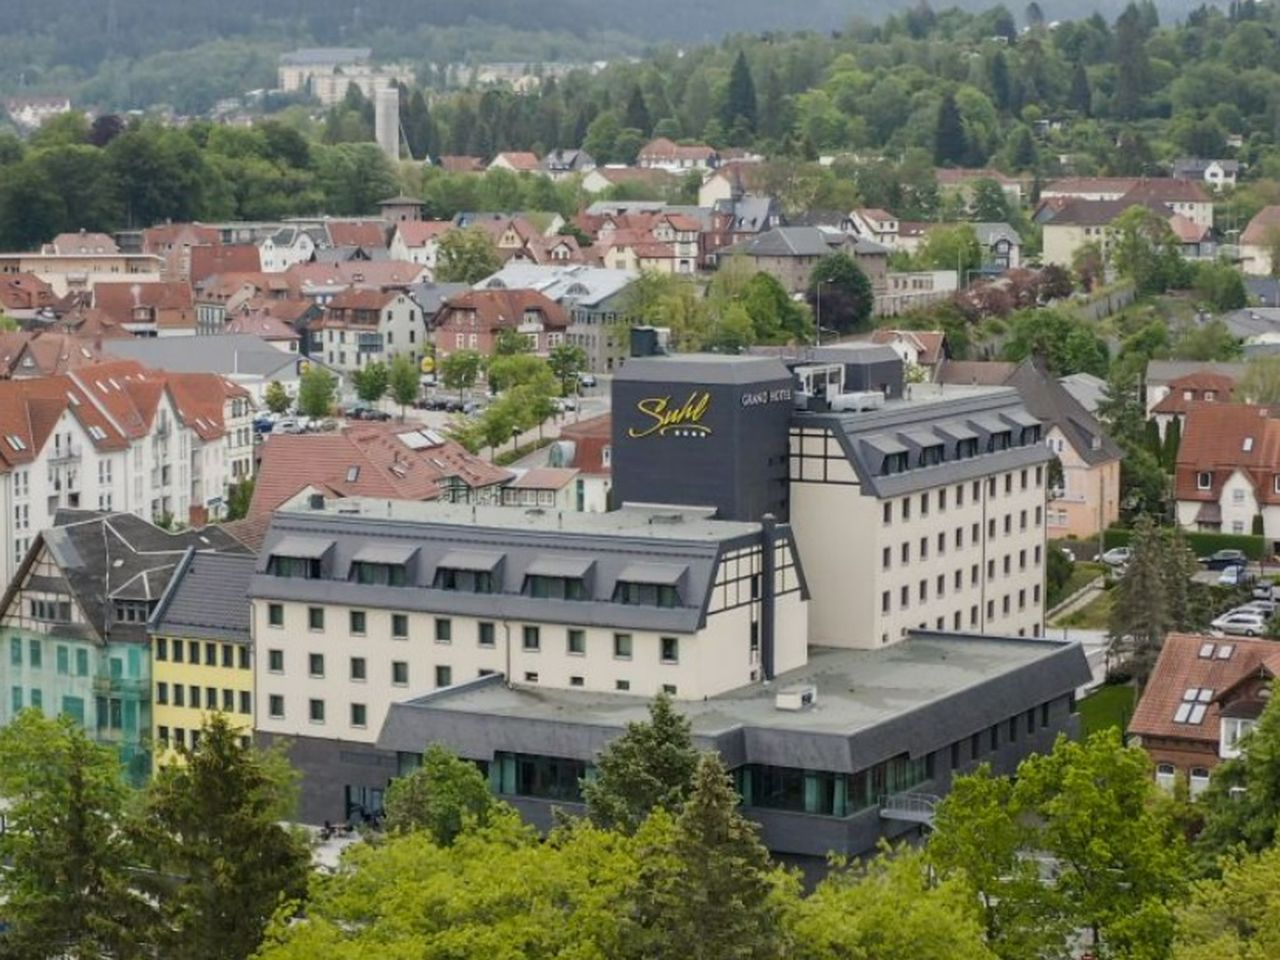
(1211, 395)
(1247, 446)
(1204, 481)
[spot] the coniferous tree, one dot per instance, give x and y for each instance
(740, 102)
(1081, 97)
(1000, 80)
(950, 145)
(1133, 70)
(649, 767)
(637, 115)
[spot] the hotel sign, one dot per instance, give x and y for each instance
(667, 419)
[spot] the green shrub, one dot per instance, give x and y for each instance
(1201, 543)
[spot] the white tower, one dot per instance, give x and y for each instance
(386, 120)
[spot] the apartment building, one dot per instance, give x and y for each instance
(362, 326)
(74, 620)
(201, 651)
(116, 436)
(359, 603)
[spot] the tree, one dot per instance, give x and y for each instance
(566, 361)
(1089, 265)
(709, 892)
(1212, 340)
(1260, 382)
(649, 767)
(950, 145)
(65, 890)
(1142, 482)
(1236, 917)
(951, 248)
(1152, 597)
(888, 909)
(989, 204)
(1133, 69)
(1243, 796)
(740, 99)
(840, 293)
(1053, 283)
(1081, 96)
(1146, 251)
(371, 382)
(637, 116)
(1121, 864)
(1065, 343)
(239, 498)
(316, 389)
(1172, 441)
(775, 316)
(275, 397)
(460, 370)
(1220, 286)
(214, 819)
(466, 256)
(442, 797)
(507, 370)
(403, 381)
(979, 837)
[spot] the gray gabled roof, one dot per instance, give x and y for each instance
(1160, 372)
(578, 284)
(225, 354)
(1054, 405)
(207, 598)
(990, 232)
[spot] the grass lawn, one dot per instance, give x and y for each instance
(1091, 617)
(1081, 574)
(1110, 706)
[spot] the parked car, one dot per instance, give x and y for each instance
(289, 425)
(1249, 623)
(362, 411)
(1264, 590)
(1117, 556)
(1265, 607)
(587, 379)
(1223, 559)
(1234, 576)
(565, 403)
(263, 424)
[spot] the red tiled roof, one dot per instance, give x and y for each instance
(367, 459)
(1180, 668)
(663, 149)
(199, 399)
(25, 291)
(417, 233)
(1258, 232)
(544, 478)
(499, 309)
(30, 409)
(590, 437)
(1167, 190)
(172, 301)
(74, 243)
(520, 160)
(49, 353)
(929, 343)
(362, 298)
(371, 273)
(1214, 440)
(1198, 383)
(1090, 185)
(261, 324)
(1187, 231)
(357, 233)
(460, 163)
(161, 238)
(223, 258)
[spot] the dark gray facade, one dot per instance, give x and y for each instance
(703, 430)
(338, 776)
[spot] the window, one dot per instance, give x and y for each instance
(210, 654)
(486, 633)
(577, 642)
(315, 711)
(82, 663)
(194, 697)
(228, 700)
(228, 656)
(178, 648)
(884, 602)
(180, 695)
(315, 664)
(444, 630)
(358, 669)
(399, 673)
(906, 553)
(162, 648)
(670, 649)
(356, 621)
(275, 706)
(885, 556)
(888, 508)
(904, 596)
(531, 676)
(246, 702)
(243, 658)
(275, 661)
(162, 693)
(444, 676)
(1204, 481)
(359, 715)
(532, 638)
(924, 504)
(400, 626)
(1195, 701)
(315, 618)
(924, 548)
(906, 508)
(622, 685)
(942, 500)
(622, 646)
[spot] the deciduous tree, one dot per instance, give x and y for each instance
(316, 389)
(466, 256)
(846, 295)
(275, 397)
(371, 382)
(404, 382)
(442, 797)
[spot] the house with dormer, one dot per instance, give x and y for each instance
(473, 320)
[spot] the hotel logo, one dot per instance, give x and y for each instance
(674, 421)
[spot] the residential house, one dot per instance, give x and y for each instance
(876, 225)
(1001, 246)
(1161, 374)
(1182, 393)
(389, 460)
(31, 111)
(659, 180)
(76, 271)
(226, 293)
(791, 253)
(1215, 173)
(419, 241)
(201, 652)
(661, 242)
(1259, 241)
(1184, 197)
(322, 282)
(1204, 695)
(1227, 476)
(45, 353)
(362, 326)
(174, 243)
(562, 163)
(542, 488)
(473, 320)
(75, 617)
(735, 220)
(450, 163)
(162, 309)
(1088, 188)
(80, 244)
(1086, 500)
(731, 180)
(922, 351)
(371, 234)
(593, 298)
(515, 161)
(206, 261)
(664, 154)
(260, 323)
(400, 209)
(24, 296)
(1073, 223)
(913, 289)
(285, 247)
(587, 447)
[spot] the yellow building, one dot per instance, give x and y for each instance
(201, 651)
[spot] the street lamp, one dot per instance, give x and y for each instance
(817, 327)
(515, 439)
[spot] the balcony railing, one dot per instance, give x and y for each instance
(67, 454)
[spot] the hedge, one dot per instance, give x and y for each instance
(1201, 543)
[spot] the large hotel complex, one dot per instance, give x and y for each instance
(836, 575)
